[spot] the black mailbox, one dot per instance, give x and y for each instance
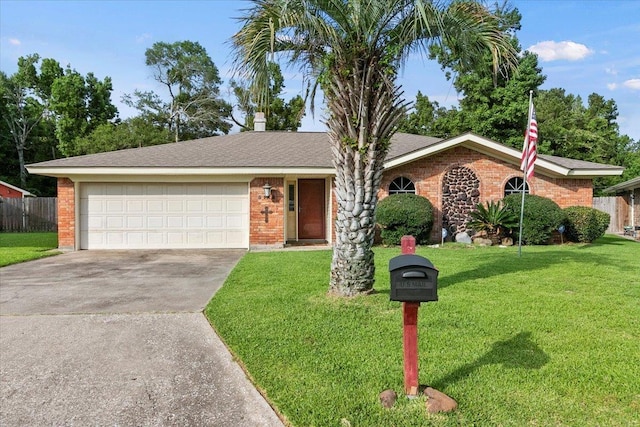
(413, 279)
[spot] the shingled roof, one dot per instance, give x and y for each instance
(244, 149)
(284, 150)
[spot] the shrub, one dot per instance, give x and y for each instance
(541, 217)
(404, 214)
(585, 224)
(495, 219)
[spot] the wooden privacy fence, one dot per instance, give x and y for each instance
(615, 207)
(28, 214)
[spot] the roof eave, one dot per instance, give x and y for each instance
(63, 172)
(629, 185)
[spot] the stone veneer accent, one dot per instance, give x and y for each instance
(460, 196)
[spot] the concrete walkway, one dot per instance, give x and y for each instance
(118, 338)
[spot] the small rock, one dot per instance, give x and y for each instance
(463, 238)
(507, 241)
(481, 241)
(388, 398)
(437, 401)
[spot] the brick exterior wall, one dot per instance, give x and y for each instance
(261, 232)
(427, 175)
(66, 214)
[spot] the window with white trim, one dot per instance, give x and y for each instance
(402, 185)
(514, 186)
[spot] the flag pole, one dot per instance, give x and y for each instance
(524, 176)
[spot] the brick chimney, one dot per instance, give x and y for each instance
(259, 122)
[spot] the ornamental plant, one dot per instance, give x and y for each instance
(496, 219)
(542, 216)
(585, 224)
(404, 214)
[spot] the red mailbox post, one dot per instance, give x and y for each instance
(410, 331)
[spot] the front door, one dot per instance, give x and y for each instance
(311, 209)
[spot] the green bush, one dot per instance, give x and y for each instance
(585, 224)
(404, 214)
(541, 217)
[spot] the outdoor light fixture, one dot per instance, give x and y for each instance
(267, 191)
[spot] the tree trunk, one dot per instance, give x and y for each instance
(23, 169)
(364, 109)
(352, 267)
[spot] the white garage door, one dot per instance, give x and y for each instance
(164, 216)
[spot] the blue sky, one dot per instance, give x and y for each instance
(584, 46)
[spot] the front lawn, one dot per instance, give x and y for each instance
(551, 338)
(20, 247)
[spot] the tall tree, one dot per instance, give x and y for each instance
(280, 114)
(194, 107)
(80, 105)
(25, 102)
(354, 49)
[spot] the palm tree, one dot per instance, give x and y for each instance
(353, 50)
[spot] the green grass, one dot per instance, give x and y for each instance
(20, 247)
(551, 338)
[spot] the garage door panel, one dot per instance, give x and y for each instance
(134, 206)
(115, 222)
(116, 206)
(175, 206)
(234, 221)
(135, 222)
(155, 205)
(155, 222)
(234, 237)
(235, 189)
(150, 215)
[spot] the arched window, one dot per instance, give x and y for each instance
(402, 185)
(514, 186)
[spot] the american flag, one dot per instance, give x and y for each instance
(529, 154)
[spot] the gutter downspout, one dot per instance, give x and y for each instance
(632, 199)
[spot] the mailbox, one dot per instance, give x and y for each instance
(413, 279)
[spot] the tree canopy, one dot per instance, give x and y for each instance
(280, 114)
(193, 107)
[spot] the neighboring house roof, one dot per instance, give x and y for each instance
(286, 152)
(25, 193)
(629, 185)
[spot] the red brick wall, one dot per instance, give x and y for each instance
(260, 231)
(66, 214)
(493, 174)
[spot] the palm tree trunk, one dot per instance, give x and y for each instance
(360, 127)
(357, 184)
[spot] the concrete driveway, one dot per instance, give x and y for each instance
(119, 338)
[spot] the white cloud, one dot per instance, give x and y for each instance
(143, 38)
(633, 84)
(15, 42)
(554, 51)
(611, 70)
(612, 86)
